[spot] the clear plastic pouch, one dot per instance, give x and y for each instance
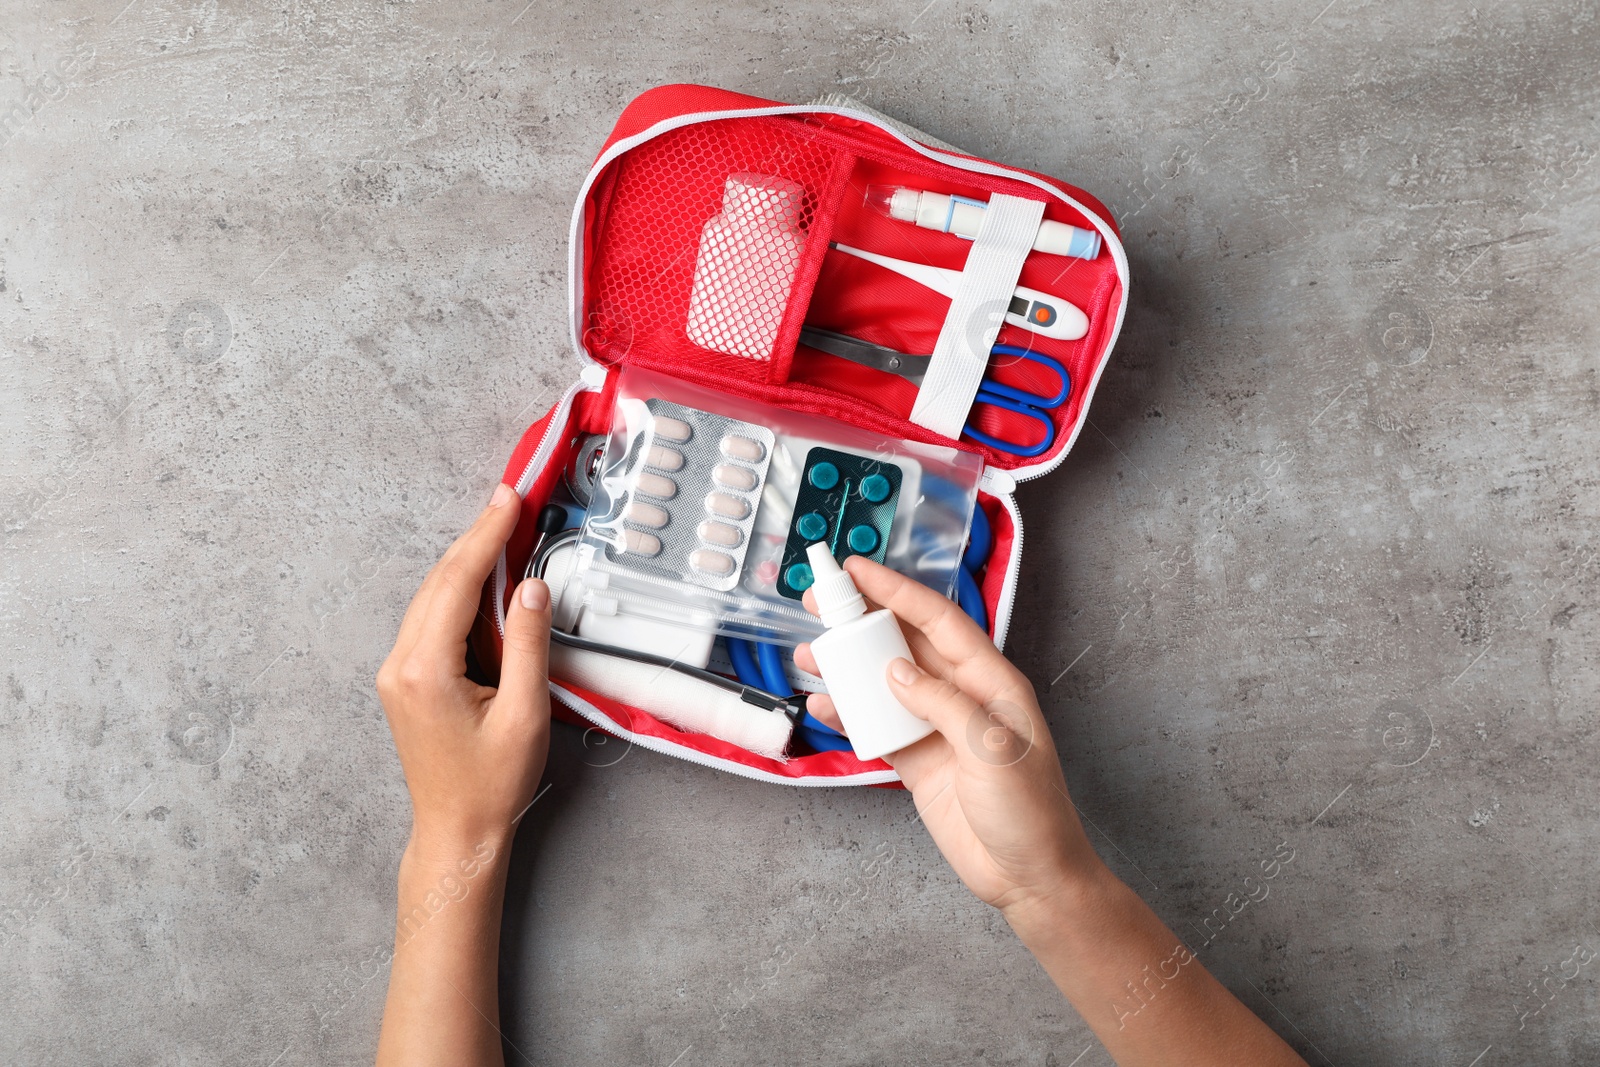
(704, 504)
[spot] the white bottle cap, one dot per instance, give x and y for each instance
(895, 201)
(904, 205)
(838, 600)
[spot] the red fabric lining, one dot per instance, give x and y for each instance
(816, 251)
(1005, 535)
(872, 142)
(639, 262)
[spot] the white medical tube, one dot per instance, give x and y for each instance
(962, 216)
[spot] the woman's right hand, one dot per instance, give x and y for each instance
(987, 782)
(989, 787)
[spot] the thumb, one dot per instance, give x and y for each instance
(926, 696)
(525, 667)
(976, 732)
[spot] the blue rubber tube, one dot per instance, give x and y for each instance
(812, 730)
(980, 541)
(744, 663)
(970, 598)
(820, 737)
(770, 660)
(744, 655)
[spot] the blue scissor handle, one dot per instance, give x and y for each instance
(1011, 447)
(1022, 396)
(1021, 402)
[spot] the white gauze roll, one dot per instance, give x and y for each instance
(676, 699)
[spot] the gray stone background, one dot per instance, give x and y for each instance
(280, 285)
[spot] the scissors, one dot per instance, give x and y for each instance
(996, 394)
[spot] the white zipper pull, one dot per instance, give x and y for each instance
(997, 482)
(594, 376)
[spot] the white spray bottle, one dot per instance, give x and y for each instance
(854, 656)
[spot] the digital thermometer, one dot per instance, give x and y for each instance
(1043, 314)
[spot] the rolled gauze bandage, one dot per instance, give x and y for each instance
(676, 699)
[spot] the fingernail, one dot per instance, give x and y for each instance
(903, 671)
(503, 495)
(535, 595)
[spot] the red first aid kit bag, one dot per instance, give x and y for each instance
(642, 298)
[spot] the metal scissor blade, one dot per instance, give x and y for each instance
(878, 357)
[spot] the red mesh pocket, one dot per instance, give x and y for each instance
(752, 189)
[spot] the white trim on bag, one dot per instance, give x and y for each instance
(1008, 588)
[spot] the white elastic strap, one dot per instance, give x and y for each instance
(988, 281)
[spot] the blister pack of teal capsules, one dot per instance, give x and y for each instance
(904, 504)
(846, 501)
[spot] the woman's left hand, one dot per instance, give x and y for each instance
(472, 755)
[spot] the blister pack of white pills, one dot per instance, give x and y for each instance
(678, 492)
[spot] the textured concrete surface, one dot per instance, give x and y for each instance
(281, 284)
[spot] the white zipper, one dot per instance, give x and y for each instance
(1113, 244)
(668, 748)
(999, 484)
(1008, 588)
(536, 462)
